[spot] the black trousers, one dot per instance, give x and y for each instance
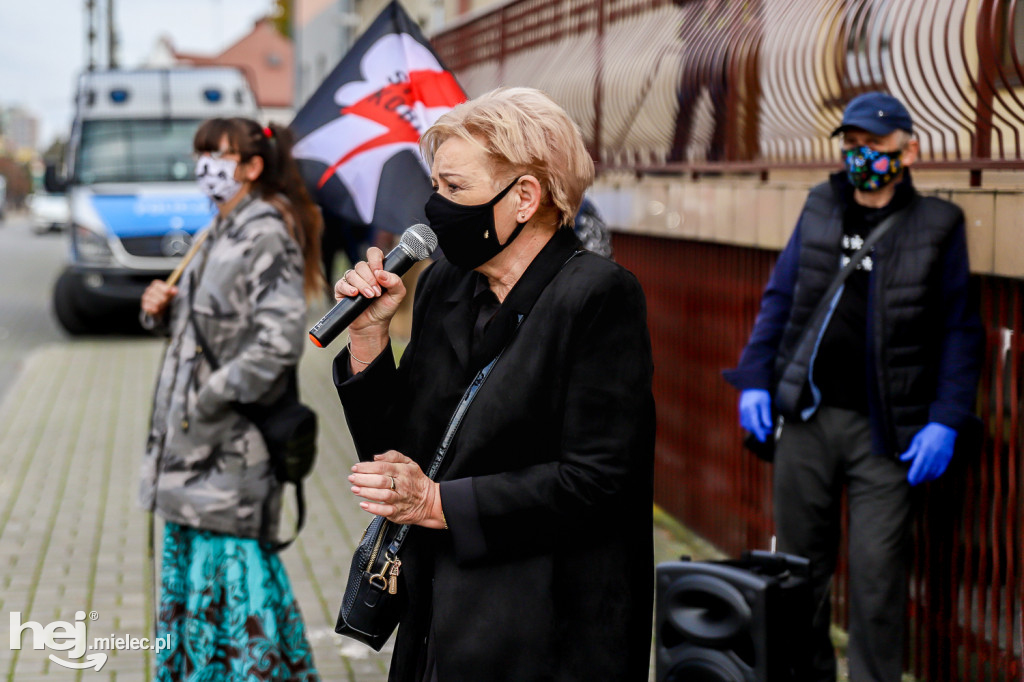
(813, 462)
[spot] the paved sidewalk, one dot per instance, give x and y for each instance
(72, 538)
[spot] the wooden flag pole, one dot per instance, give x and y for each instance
(175, 275)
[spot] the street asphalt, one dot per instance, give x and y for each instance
(73, 419)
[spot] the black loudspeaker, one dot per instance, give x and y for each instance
(733, 621)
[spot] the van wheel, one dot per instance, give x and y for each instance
(66, 307)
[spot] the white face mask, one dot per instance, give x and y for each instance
(216, 178)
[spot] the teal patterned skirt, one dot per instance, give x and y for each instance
(229, 609)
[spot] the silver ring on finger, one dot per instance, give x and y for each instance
(347, 273)
(393, 483)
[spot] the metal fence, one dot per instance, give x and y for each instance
(753, 85)
(697, 86)
(966, 584)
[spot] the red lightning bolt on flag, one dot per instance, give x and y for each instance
(387, 106)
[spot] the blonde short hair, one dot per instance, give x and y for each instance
(523, 132)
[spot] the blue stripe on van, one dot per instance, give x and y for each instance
(153, 214)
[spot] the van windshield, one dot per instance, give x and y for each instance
(136, 151)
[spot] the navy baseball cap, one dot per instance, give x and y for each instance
(877, 113)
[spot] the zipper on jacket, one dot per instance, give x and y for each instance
(162, 441)
(193, 381)
(881, 375)
(193, 386)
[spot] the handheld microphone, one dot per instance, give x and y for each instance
(418, 242)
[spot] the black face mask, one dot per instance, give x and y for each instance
(466, 234)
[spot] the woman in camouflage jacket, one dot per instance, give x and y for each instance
(207, 471)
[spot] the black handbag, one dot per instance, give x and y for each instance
(289, 430)
(374, 600)
(373, 603)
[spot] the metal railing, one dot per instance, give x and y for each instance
(755, 85)
(752, 85)
(966, 584)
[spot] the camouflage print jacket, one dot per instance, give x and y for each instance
(205, 465)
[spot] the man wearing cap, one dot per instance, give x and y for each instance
(869, 388)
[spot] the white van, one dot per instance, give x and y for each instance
(133, 201)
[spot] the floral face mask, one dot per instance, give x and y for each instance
(870, 170)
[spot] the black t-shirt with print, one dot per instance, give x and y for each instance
(840, 365)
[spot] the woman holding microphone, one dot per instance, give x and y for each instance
(530, 555)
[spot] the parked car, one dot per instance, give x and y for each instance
(49, 212)
(130, 182)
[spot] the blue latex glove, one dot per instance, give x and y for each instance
(756, 412)
(930, 451)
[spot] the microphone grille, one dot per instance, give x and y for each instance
(419, 240)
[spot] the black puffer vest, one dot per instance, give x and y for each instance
(904, 309)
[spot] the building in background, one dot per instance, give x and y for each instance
(265, 56)
(19, 133)
(324, 30)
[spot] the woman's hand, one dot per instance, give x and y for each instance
(157, 296)
(369, 278)
(397, 489)
(368, 334)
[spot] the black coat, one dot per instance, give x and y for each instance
(547, 571)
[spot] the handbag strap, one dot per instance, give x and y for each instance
(460, 412)
(790, 385)
(869, 243)
(449, 433)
